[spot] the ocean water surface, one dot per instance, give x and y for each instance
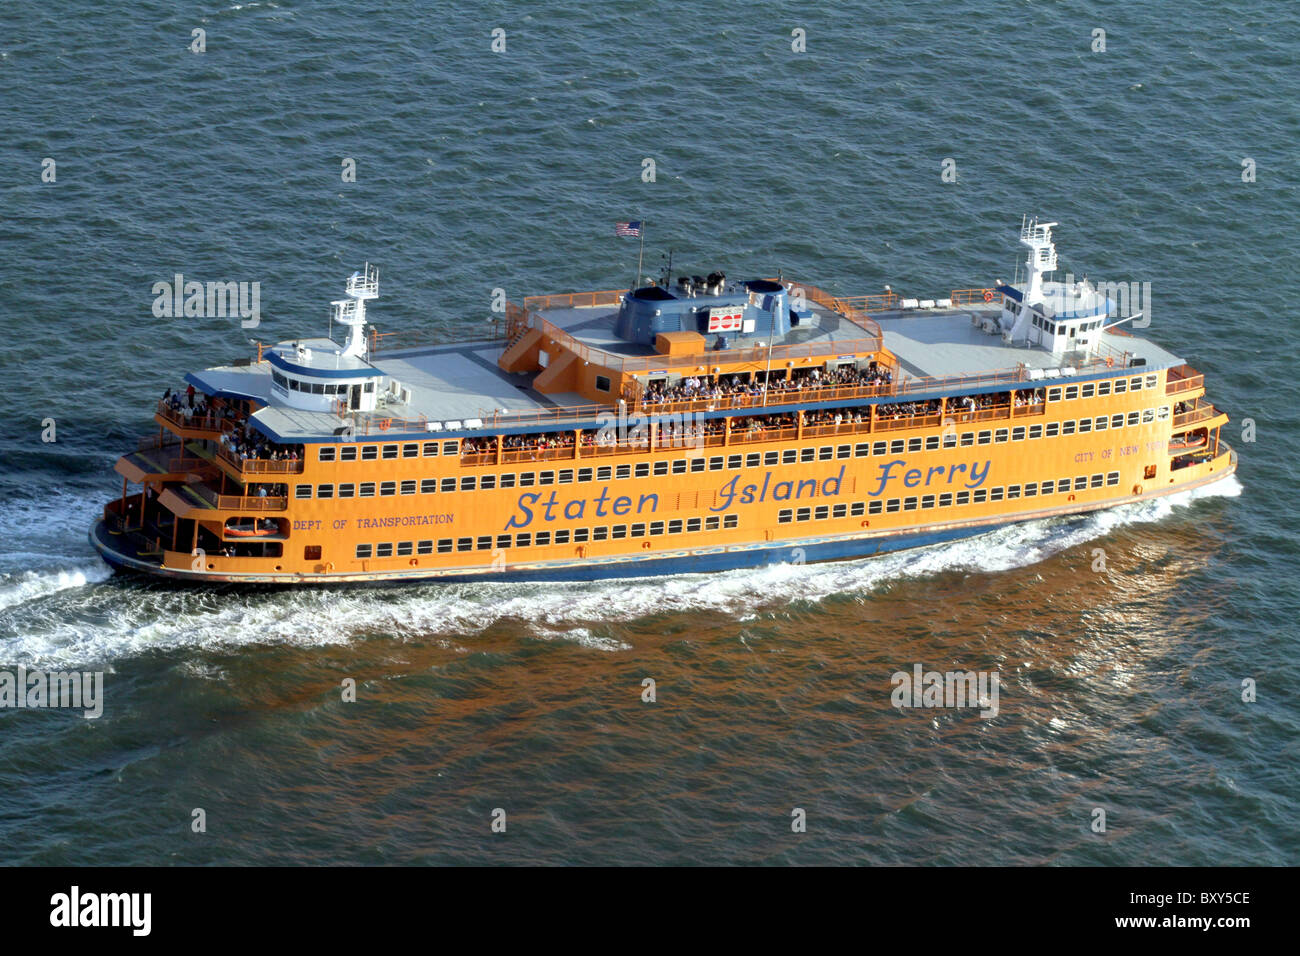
(1121, 688)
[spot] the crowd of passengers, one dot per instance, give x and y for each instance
(244, 444)
(708, 387)
(671, 432)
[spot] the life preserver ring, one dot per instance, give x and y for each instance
(415, 562)
(384, 424)
(1137, 489)
(1110, 363)
(988, 295)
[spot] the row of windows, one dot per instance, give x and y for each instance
(681, 466)
(315, 388)
(1116, 386)
(525, 539)
(431, 449)
(947, 499)
(413, 449)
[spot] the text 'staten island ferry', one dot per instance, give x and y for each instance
(687, 426)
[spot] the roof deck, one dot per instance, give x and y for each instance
(458, 388)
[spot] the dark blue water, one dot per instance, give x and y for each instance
(475, 170)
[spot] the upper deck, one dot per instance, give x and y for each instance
(462, 388)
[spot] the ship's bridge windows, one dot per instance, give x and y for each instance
(325, 453)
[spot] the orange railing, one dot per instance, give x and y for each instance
(574, 300)
(1201, 413)
(209, 423)
(973, 296)
(1182, 379)
(237, 503)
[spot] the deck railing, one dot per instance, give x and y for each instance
(208, 423)
(259, 466)
(1202, 413)
(250, 503)
(1182, 379)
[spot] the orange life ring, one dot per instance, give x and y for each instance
(414, 562)
(1137, 489)
(384, 424)
(1110, 363)
(988, 295)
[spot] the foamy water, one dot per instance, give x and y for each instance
(108, 621)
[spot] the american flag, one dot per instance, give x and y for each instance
(628, 228)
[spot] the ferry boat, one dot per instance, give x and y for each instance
(694, 425)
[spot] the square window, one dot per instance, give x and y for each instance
(367, 489)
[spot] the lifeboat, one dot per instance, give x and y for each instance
(251, 529)
(1188, 442)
